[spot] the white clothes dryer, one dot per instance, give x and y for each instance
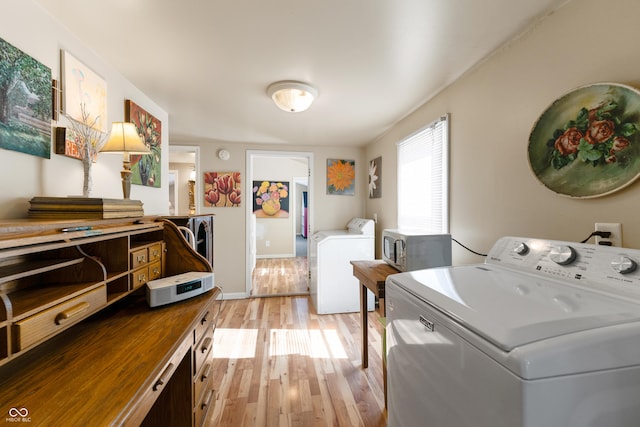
(333, 287)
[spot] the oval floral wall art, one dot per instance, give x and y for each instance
(586, 143)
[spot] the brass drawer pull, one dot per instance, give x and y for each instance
(205, 345)
(205, 372)
(71, 312)
(166, 374)
(140, 258)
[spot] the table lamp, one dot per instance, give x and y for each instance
(124, 139)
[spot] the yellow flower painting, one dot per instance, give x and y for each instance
(341, 177)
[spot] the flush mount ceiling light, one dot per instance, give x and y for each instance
(292, 96)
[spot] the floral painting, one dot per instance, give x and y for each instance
(222, 189)
(341, 177)
(375, 178)
(271, 199)
(25, 103)
(146, 168)
(586, 143)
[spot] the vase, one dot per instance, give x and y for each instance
(87, 184)
(271, 207)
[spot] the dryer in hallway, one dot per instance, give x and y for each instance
(333, 288)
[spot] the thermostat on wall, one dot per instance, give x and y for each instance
(179, 287)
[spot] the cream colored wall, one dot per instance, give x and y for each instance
(493, 108)
(329, 211)
(26, 26)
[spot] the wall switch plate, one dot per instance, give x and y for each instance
(616, 233)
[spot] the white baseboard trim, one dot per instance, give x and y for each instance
(275, 256)
(235, 295)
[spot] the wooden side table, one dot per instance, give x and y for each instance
(372, 275)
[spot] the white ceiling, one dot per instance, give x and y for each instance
(208, 63)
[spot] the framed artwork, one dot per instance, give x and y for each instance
(586, 143)
(375, 178)
(25, 103)
(222, 189)
(84, 93)
(341, 177)
(146, 168)
(67, 143)
(271, 199)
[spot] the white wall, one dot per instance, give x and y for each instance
(493, 108)
(29, 28)
(330, 212)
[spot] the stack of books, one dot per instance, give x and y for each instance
(84, 207)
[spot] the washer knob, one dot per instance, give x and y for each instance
(623, 265)
(562, 255)
(521, 249)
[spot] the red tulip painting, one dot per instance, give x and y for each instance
(222, 189)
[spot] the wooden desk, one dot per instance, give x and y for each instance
(128, 365)
(372, 276)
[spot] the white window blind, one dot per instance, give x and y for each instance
(423, 185)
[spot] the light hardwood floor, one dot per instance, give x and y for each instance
(280, 276)
(277, 363)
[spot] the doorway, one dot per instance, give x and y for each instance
(277, 244)
(184, 163)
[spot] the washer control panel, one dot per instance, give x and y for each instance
(606, 269)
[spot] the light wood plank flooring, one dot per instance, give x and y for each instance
(277, 363)
(280, 276)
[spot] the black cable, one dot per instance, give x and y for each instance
(470, 250)
(603, 234)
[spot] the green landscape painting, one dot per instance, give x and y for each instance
(25, 103)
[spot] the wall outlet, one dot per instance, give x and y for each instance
(267, 243)
(616, 233)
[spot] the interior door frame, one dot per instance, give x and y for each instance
(195, 149)
(250, 154)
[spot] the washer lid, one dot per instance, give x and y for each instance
(511, 309)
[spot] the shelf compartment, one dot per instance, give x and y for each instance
(118, 288)
(21, 270)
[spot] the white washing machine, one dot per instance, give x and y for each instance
(333, 287)
(544, 333)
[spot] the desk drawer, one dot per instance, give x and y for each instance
(201, 351)
(139, 277)
(139, 258)
(202, 380)
(34, 328)
(203, 325)
(155, 252)
(203, 407)
(155, 270)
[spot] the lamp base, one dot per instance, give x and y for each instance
(84, 208)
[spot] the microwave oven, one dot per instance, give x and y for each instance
(415, 250)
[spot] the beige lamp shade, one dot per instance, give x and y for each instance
(124, 138)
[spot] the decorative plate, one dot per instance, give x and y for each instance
(586, 144)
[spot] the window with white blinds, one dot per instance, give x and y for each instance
(423, 186)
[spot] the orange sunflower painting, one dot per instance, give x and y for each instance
(341, 177)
